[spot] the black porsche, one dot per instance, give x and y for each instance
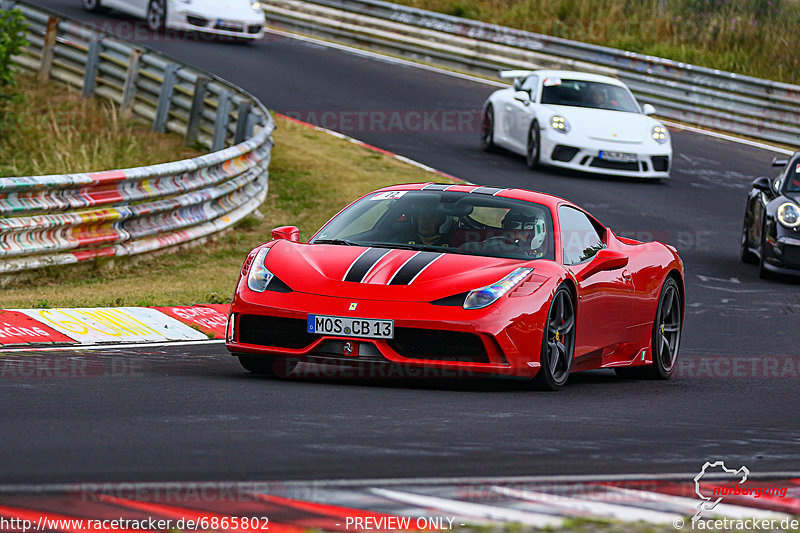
(771, 230)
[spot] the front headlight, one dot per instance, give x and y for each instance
(559, 123)
(255, 5)
(789, 215)
(485, 296)
(259, 277)
(660, 134)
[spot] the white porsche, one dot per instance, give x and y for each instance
(578, 121)
(240, 19)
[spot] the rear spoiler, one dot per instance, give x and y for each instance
(508, 74)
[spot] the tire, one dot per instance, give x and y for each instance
(534, 146)
(156, 15)
(93, 6)
(487, 130)
(763, 273)
(665, 339)
(747, 256)
(558, 343)
(276, 367)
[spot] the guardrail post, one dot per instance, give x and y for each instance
(165, 98)
(43, 76)
(129, 86)
(221, 121)
(196, 113)
(252, 121)
(242, 115)
(92, 64)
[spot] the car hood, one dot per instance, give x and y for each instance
(222, 9)
(322, 268)
(605, 125)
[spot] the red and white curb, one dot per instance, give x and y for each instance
(388, 505)
(86, 326)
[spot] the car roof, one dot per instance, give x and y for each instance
(545, 199)
(575, 75)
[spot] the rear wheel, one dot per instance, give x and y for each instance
(558, 343)
(276, 367)
(534, 145)
(93, 5)
(487, 130)
(156, 15)
(666, 337)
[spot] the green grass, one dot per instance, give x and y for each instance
(754, 37)
(312, 176)
(52, 130)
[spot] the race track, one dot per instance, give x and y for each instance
(190, 413)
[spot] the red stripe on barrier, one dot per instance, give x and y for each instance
(85, 255)
(108, 176)
(207, 319)
(17, 328)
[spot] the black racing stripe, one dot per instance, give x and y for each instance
(362, 265)
(435, 187)
(414, 266)
(491, 191)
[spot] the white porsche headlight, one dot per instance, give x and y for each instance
(660, 134)
(259, 277)
(485, 296)
(789, 215)
(559, 123)
(255, 5)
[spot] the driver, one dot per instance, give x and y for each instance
(596, 97)
(525, 231)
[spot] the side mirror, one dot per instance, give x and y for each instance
(522, 96)
(647, 109)
(604, 260)
(778, 162)
(762, 184)
(289, 233)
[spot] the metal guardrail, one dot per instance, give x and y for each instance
(706, 97)
(63, 219)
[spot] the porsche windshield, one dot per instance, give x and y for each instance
(581, 93)
(793, 181)
(455, 222)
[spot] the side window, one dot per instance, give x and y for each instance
(531, 84)
(580, 239)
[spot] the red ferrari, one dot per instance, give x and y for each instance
(464, 279)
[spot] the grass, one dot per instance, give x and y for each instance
(52, 130)
(754, 37)
(312, 176)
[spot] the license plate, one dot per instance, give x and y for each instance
(345, 326)
(622, 157)
(230, 24)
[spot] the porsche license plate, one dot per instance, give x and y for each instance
(345, 326)
(622, 157)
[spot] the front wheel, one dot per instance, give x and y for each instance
(666, 337)
(534, 146)
(487, 130)
(558, 343)
(275, 367)
(156, 15)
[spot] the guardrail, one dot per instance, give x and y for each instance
(725, 101)
(63, 219)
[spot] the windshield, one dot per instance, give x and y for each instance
(455, 222)
(793, 177)
(580, 93)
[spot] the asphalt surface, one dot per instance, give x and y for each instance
(190, 413)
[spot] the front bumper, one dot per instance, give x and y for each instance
(782, 256)
(427, 336)
(576, 154)
(240, 29)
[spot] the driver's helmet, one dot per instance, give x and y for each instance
(527, 225)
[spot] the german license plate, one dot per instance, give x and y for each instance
(622, 157)
(234, 25)
(345, 326)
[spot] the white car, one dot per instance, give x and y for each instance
(240, 19)
(578, 121)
